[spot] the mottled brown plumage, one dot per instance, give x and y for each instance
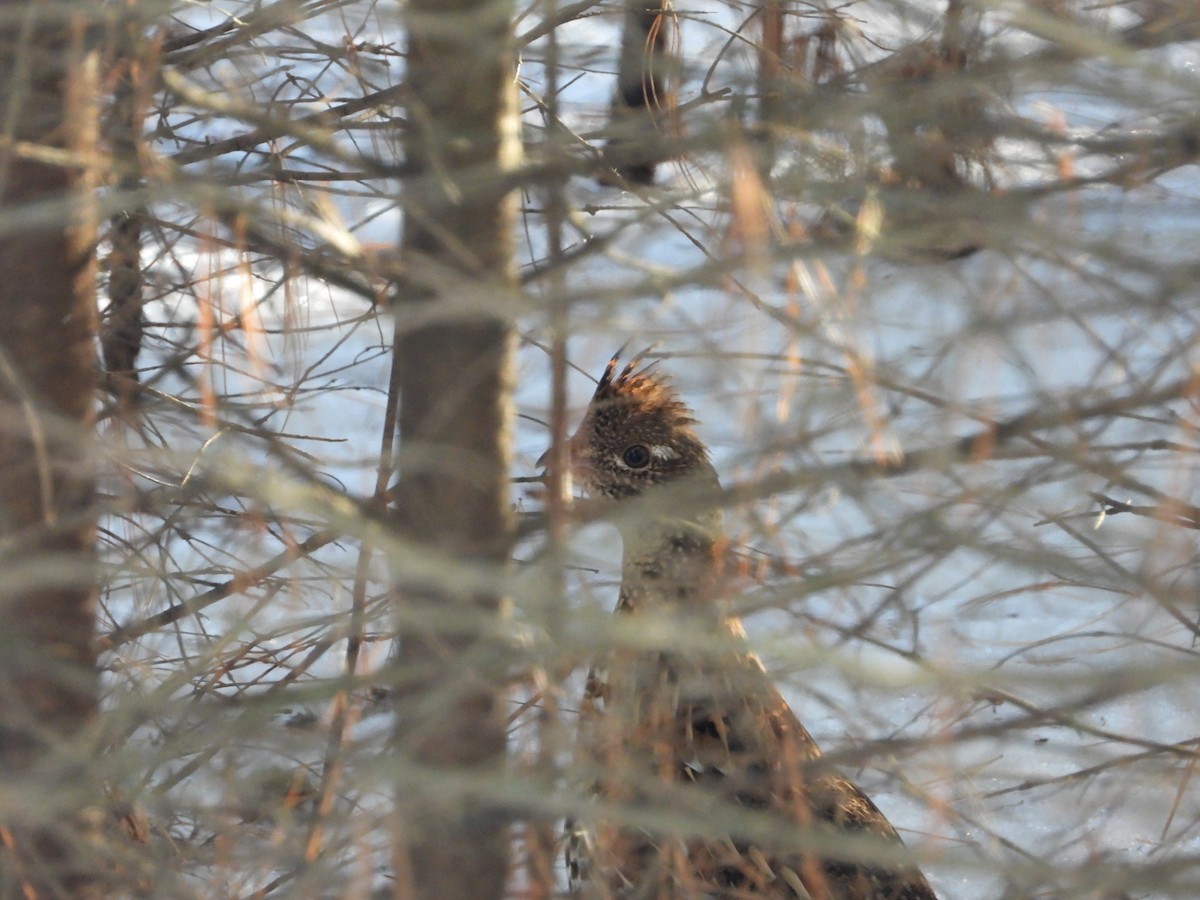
(681, 741)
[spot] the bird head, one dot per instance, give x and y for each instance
(636, 434)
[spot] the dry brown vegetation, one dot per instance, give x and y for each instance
(926, 271)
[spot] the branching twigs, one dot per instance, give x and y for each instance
(909, 595)
(1119, 762)
(344, 709)
(993, 442)
(1170, 510)
(235, 585)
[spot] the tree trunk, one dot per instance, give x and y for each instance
(455, 385)
(642, 120)
(48, 673)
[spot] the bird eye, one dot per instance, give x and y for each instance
(636, 457)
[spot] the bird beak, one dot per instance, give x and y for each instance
(573, 456)
(575, 464)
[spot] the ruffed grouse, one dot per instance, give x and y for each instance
(684, 746)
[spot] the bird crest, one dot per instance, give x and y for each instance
(643, 391)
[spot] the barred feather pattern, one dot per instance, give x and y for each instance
(711, 786)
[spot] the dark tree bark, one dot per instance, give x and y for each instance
(643, 108)
(48, 673)
(123, 330)
(454, 358)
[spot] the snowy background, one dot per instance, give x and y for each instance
(1008, 672)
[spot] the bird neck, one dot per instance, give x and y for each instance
(672, 560)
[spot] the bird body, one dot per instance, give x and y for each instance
(708, 785)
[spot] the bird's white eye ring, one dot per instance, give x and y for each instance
(636, 456)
